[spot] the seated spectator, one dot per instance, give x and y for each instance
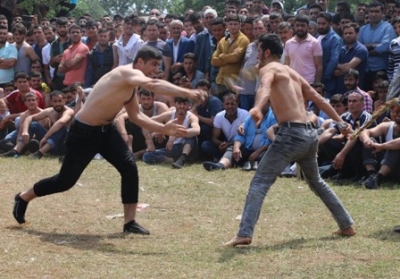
(351, 81)
(32, 104)
(225, 124)
(249, 145)
(36, 82)
(7, 89)
(4, 112)
(206, 111)
(133, 134)
(178, 151)
(381, 164)
(60, 118)
(339, 104)
(381, 94)
(344, 154)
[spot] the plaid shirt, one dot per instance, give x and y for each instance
(368, 102)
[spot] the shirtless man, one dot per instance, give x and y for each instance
(296, 139)
(92, 132)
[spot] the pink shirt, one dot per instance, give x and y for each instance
(78, 74)
(301, 55)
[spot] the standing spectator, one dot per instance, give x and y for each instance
(303, 52)
(92, 29)
(218, 32)
(26, 53)
(192, 75)
(306, 6)
(394, 50)
(40, 40)
(196, 20)
(48, 71)
(74, 60)
(331, 45)
(8, 58)
(353, 55)
(153, 32)
(314, 11)
(179, 45)
(128, 44)
(57, 49)
(100, 59)
(376, 36)
(229, 54)
(342, 8)
(359, 13)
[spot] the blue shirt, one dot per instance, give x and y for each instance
(331, 46)
(250, 130)
(346, 55)
(8, 51)
(382, 35)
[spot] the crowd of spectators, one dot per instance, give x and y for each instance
(349, 57)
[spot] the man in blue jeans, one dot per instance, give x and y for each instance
(296, 139)
(92, 131)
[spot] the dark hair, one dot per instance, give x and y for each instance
(19, 28)
(62, 21)
(302, 18)
(56, 93)
(204, 82)
(316, 6)
(74, 86)
(195, 17)
(103, 30)
(396, 20)
(352, 73)
(336, 19)
(348, 16)
(232, 17)
(317, 85)
(344, 4)
(145, 92)
(271, 42)
(52, 27)
(190, 55)
(152, 21)
(173, 16)
(338, 99)
(35, 74)
(8, 84)
(74, 26)
(19, 75)
(285, 24)
(66, 90)
(275, 15)
(383, 84)
(181, 100)
(375, 4)
(133, 19)
(147, 53)
(3, 27)
(354, 25)
(90, 23)
(218, 21)
(381, 75)
(249, 20)
(326, 16)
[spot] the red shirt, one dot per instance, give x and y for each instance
(16, 104)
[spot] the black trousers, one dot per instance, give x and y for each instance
(83, 143)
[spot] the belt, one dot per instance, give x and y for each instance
(87, 127)
(307, 125)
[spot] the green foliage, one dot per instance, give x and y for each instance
(93, 7)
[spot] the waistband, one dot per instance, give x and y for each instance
(307, 125)
(87, 127)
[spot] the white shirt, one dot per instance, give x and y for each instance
(230, 129)
(46, 58)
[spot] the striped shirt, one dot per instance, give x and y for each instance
(368, 102)
(394, 58)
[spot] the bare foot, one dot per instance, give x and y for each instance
(345, 232)
(238, 240)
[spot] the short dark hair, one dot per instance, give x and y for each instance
(326, 16)
(50, 26)
(348, 16)
(375, 4)
(19, 28)
(316, 6)
(152, 21)
(75, 26)
(190, 55)
(352, 73)
(90, 23)
(35, 74)
(271, 42)
(204, 82)
(181, 100)
(354, 25)
(195, 17)
(19, 75)
(146, 53)
(145, 92)
(302, 18)
(218, 21)
(103, 30)
(317, 85)
(232, 17)
(133, 19)
(343, 4)
(66, 90)
(338, 99)
(56, 93)
(62, 21)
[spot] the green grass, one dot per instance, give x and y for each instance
(191, 213)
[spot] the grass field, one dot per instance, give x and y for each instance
(191, 213)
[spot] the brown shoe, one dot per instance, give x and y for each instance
(238, 240)
(345, 232)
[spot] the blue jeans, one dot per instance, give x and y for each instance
(295, 144)
(161, 155)
(210, 149)
(12, 137)
(55, 140)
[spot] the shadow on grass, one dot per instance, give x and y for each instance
(93, 242)
(228, 253)
(385, 235)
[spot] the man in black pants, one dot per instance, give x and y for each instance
(93, 131)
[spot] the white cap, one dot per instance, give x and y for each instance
(277, 2)
(211, 11)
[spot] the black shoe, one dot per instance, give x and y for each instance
(397, 229)
(178, 164)
(210, 166)
(329, 173)
(371, 182)
(37, 155)
(6, 145)
(133, 227)
(10, 153)
(19, 209)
